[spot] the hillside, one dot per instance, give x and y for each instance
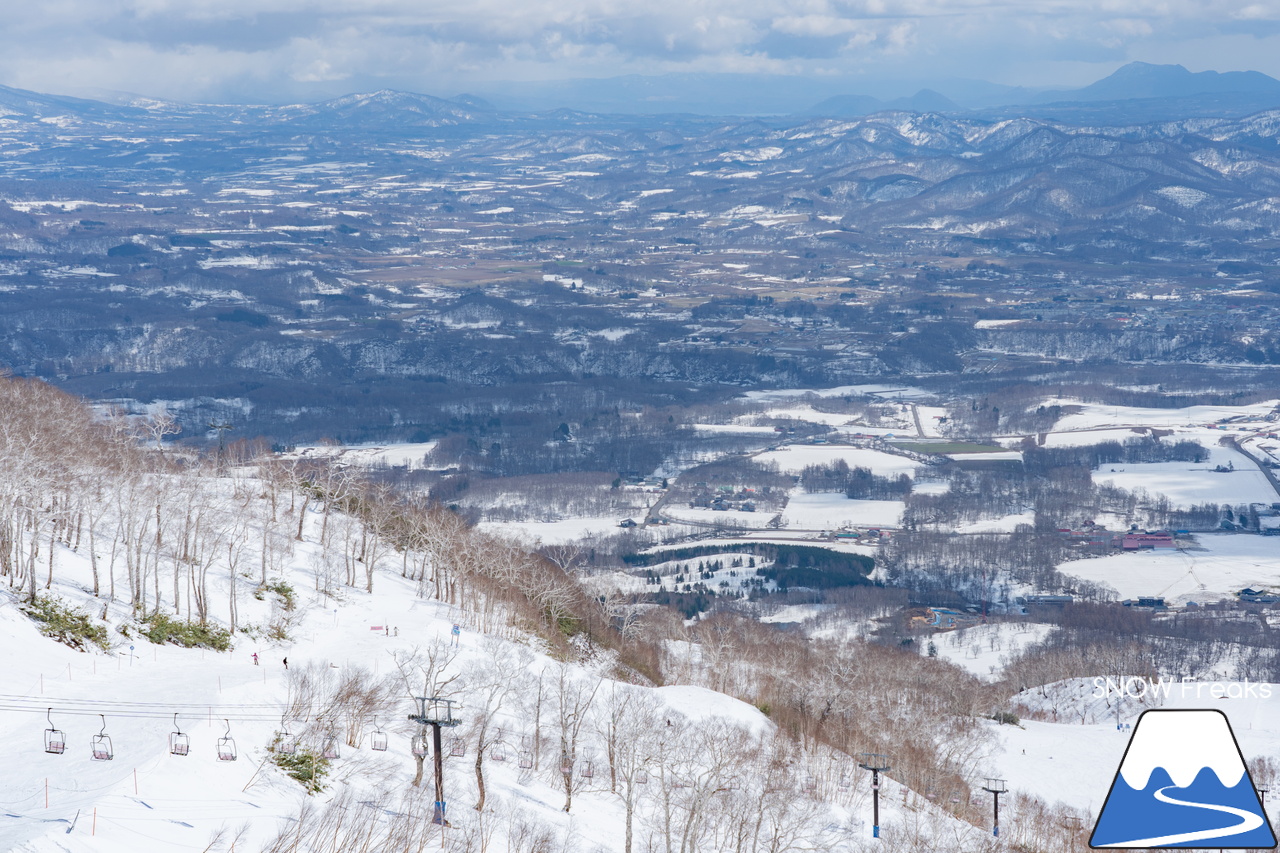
(119, 543)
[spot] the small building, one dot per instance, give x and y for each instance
(1149, 602)
(1047, 600)
(1134, 541)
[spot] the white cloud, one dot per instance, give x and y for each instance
(202, 49)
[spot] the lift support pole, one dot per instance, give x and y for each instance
(436, 712)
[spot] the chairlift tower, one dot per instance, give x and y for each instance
(996, 787)
(1073, 824)
(437, 713)
(877, 764)
(222, 441)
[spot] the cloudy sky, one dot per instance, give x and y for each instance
(277, 50)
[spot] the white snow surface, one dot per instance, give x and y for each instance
(1093, 415)
(393, 455)
(1221, 565)
(795, 458)
(1003, 524)
(1189, 483)
(830, 511)
(556, 532)
(904, 392)
(985, 649)
(147, 799)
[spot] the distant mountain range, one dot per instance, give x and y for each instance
(1161, 93)
(1136, 93)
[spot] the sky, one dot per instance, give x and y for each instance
(272, 51)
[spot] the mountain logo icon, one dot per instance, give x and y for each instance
(1183, 783)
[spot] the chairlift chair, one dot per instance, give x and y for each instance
(457, 746)
(419, 745)
(588, 772)
(526, 759)
(566, 764)
(101, 743)
(226, 745)
(179, 743)
(378, 740)
(498, 752)
(286, 743)
(642, 777)
(330, 749)
(55, 742)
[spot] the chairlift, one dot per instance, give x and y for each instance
(330, 748)
(526, 759)
(419, 745)
(843, 784)
(566, 764)
(810, 783)
(378, 740)
(101, 743)
(55, 742)
(226, 746)
(286, 743)
(179, 743)
(498, 752)
(588, 772)
(457, 746)
(642, 777)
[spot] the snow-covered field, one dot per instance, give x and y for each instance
(703, 517)
(831, 511)
(1222, 565)
(894, 392)
(556, 532)
(410, 456)
(1090, 436)
(1003, 524)
(985, 649)
(1093, 415)
(795, 458)
(1189, 483)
